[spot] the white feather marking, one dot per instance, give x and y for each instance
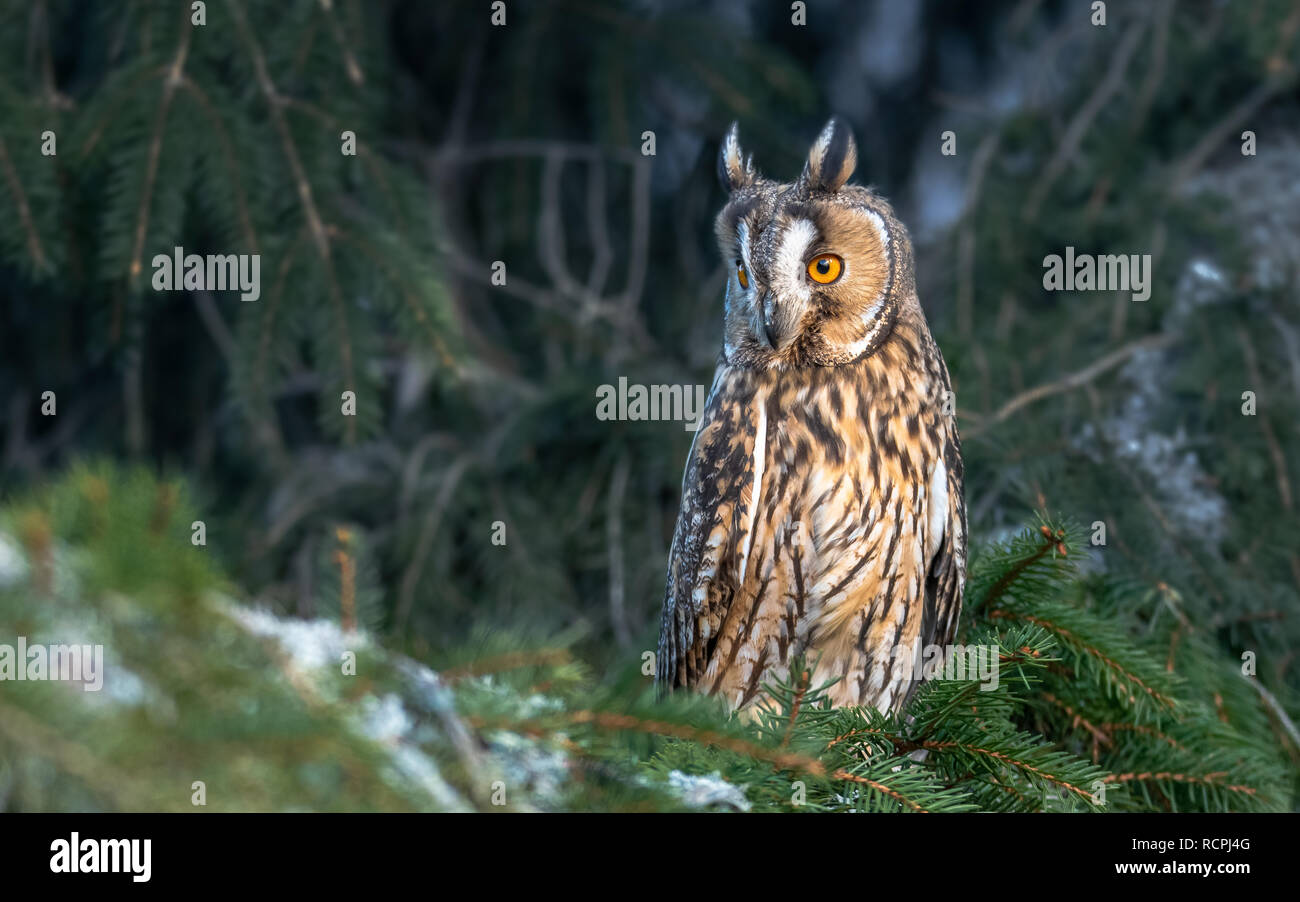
(870, 317)
(788, 269)
(873, 324)
(760, 441)
(938, 502)
(880, 227)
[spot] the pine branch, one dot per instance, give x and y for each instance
(171, 82)
(16, 192)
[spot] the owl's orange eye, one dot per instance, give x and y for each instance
(742, 275)
(825, 268)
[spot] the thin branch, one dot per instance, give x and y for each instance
(364, 152)
(1070, 637)
(175, 74)
(1143, 730)
(136, 84)
(1160, 54)
(349, 60)
(1266, 427)
(1001, 586)
(1078, 720)
(314, 222)
(628, 722)
(518, 660)
(597, 228)
(531, 147)
(1007, 759)
(879, 787)
(1236, 117)
(275, 105)
(1211, 779)
(1276, 709)
(408, 294)
(614, 544)
(24, 210)
(1072, 381)
(639, 238)
(424, 542)
(801, 690)
(1082, 122)
(966, 235)
(216, 326)
(232, 166)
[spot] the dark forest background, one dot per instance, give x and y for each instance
(522, 143)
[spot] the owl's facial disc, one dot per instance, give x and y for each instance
(810, 275)
(787, 292)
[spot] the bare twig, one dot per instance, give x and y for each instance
(1236, 117)
(216, 326)
(424, 542)
(1270, 437)
(639, 240)
(1275, 707)
(232, 166)
(24, 210)
(407, 292)
(315, 224)
(621, 310)
(597, 228)
(531, 147)
(349, 60)
(1119, 313)
(1082, 122)
(614, 542)
(1072, 381)
(966, 236)
(364, 153)
(175, 73)
(414, 465)
(1160, 54)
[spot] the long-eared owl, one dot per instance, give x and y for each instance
(822, 511)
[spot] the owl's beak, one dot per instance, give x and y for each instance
(770, 331)
(775, 326)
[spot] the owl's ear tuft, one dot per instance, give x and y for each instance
(833, 157)
(735, 170)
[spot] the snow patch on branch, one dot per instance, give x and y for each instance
(707, 792)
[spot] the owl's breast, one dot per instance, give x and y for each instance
(852, 496)
(840, 462)
(806, 528)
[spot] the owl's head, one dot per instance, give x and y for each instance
(818, 269)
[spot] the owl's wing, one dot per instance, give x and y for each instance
(712, 526)
(945, 576)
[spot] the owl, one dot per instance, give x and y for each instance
(822, 513)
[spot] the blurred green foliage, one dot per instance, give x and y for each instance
(203, 703)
